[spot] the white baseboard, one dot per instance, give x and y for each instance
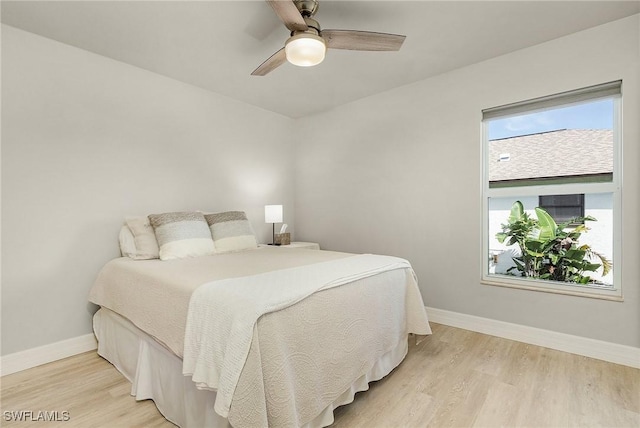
(29, 358)
(601, 350)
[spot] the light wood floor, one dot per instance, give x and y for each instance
(453, 378)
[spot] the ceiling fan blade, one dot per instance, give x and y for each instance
(274, 61)
(362, 40)
(288, 14)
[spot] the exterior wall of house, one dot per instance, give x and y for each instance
(86, 141)
(400, 173)
(598, 238)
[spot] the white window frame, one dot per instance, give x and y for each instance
(612, 90)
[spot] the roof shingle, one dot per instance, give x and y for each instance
(562, 153)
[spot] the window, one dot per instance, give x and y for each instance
(546, 162)
(562, 208)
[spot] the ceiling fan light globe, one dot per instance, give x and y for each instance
(305, 50)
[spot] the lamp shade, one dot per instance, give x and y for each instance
(305, 49)
(273, 213)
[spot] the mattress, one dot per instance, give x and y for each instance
(302, 357)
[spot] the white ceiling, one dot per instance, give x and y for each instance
(216, 44)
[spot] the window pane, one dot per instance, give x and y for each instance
(598, 237)
(562, 200)
(552, 146)
(563, 207)
(563, 214)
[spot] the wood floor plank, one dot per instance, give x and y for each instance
(596, 384)
(500, 409)
(547, 399)
(451, 378)
(519, 364)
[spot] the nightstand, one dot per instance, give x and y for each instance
(303, 245)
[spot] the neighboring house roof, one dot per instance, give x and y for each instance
(562, 153)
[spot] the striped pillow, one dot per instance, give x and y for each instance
(231, 231)
(181, 235)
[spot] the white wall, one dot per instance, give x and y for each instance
(86, 141)
(399, 173)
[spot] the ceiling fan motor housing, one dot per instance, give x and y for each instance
(307, 8)
(314, 27)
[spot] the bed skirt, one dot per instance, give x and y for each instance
(155, 373)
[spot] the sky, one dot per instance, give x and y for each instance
(591, 115)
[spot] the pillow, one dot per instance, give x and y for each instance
(145, 245)
(181, 235)
(231, 231)
(127, 242)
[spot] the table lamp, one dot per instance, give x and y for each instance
(273, 214)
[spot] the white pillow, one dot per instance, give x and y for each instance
(182, 234)
(127, 242)
(231, 231)
(145, 246)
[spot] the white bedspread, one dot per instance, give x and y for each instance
(218, 338)
(154, 294)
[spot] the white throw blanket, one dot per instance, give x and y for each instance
(223, 314)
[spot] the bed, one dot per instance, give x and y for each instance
(270, 336)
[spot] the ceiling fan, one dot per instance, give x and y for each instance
(308, 43)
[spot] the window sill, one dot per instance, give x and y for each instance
(592, 292)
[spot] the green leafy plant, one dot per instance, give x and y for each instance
(548, 250)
